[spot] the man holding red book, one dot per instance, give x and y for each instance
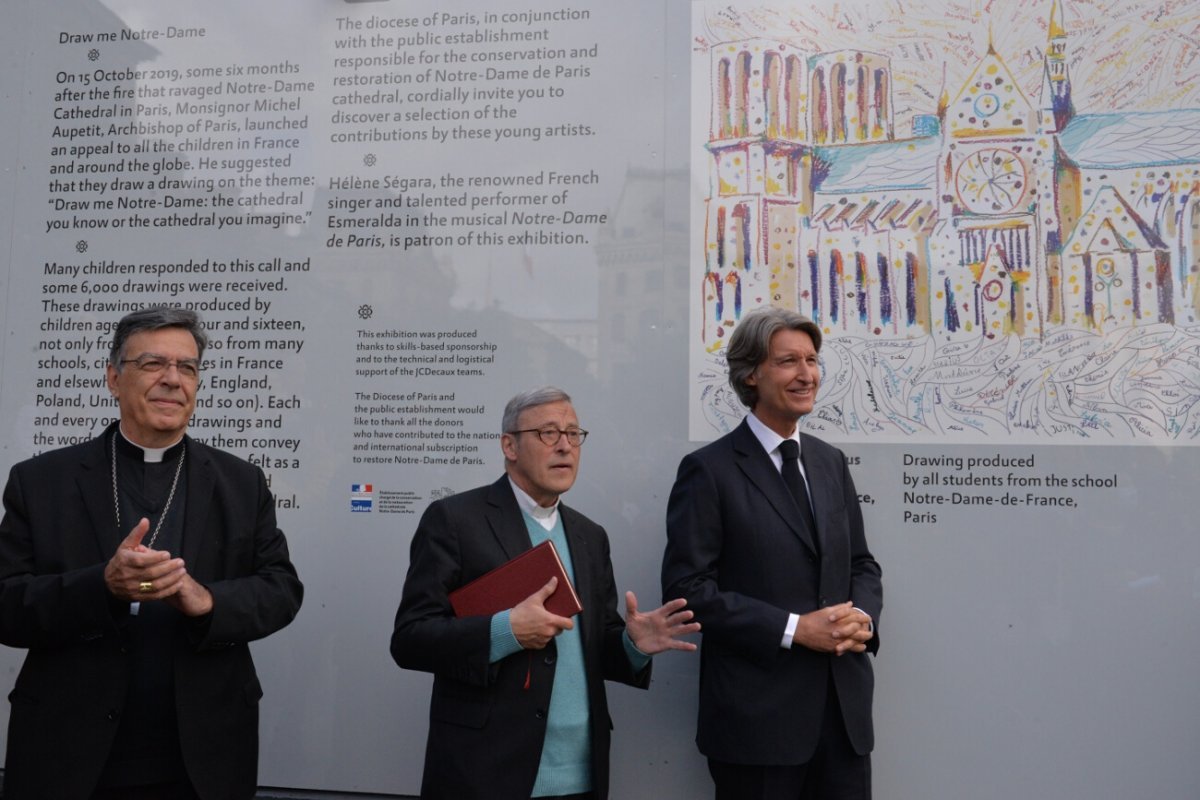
(519, 707)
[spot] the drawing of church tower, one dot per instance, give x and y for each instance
(758, 140)
(1058, 200)
(1117, 192)
(862, 245)
(1056, 108)
(773, 109)
(988, 238)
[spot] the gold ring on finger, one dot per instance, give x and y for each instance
(145, 586)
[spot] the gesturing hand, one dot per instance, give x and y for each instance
(654, 631)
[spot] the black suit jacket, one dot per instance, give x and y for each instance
(58, 532)
(737, 550)
(487, 721)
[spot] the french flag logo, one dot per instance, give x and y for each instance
(362, 497)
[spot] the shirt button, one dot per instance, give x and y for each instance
(540, 714)
(548, 660)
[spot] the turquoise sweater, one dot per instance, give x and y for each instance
(566, 763)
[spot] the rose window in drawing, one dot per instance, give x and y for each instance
(991, 181)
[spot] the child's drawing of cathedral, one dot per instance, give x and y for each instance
(1005, 263)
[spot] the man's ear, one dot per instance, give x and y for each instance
(110, 378)
(508, 446)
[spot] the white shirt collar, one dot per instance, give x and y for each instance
(151, 455)
(769, 439)
(546, 517)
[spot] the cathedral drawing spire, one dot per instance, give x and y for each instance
(1056, 108)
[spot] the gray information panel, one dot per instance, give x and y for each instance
(395, 215)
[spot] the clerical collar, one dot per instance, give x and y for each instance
(151, 455)
(531, 507)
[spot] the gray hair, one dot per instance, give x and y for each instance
(153, 318)
(750, 345)
(530, 399)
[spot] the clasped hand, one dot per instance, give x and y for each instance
(837, 630)
(137, 574)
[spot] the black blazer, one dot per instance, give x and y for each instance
(739, 554)
(58, 532)
(487, 721)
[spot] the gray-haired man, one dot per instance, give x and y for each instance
(519, 707)
(136, 568)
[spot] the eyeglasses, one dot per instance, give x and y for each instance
(550, 436)
(153, 363)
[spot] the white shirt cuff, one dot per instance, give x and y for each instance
(790, 631)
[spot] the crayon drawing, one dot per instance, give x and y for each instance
(991, 209)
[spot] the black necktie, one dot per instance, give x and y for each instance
(790, 450)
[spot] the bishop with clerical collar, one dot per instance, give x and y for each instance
(135, 569)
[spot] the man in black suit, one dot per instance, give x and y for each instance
(135, 568)
(518, 706)
(765, 541)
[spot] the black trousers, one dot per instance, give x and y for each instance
(835, 772)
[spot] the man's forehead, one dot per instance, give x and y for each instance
(162, 338)
(537, 416)
(788, 341)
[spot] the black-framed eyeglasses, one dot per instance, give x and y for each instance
(153, 363)
(550, 436)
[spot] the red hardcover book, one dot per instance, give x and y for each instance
(513, 581)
